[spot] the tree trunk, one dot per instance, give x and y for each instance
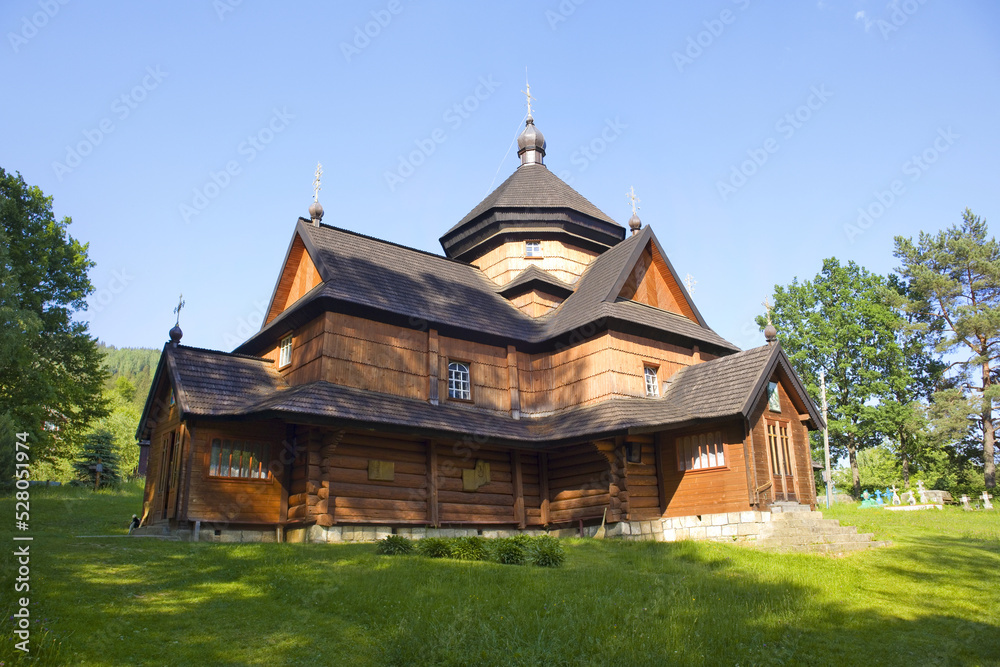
(852, 454)
(989, 465)
(905, 459)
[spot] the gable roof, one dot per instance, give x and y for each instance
(426, 290)
(535, 278)
(733, 385)
(215, 384)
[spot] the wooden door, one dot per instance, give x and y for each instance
(167, 477)
(779, 449)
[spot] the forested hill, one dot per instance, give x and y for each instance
(137, 364)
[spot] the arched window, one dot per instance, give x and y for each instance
(459, 385)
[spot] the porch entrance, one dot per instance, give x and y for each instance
(782, 463)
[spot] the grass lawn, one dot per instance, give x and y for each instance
(933, 598)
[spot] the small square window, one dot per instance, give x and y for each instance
(532, 248)
(459, 385)
(652, 386)
(285, 352)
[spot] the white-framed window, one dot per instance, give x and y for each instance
(459, 384)
(532, 248)
(285, 351)
(701, 451)
(652, 384)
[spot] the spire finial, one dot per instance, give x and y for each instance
(175, 332)
(770, 331)
(531, 143)
(316, 209)
(634, 222)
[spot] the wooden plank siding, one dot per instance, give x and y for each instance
(652, 283)
(709, 491)
(563, 261)
(298, 276)
(167, 421)
(536, 302)
(798, 432)
(232, 500)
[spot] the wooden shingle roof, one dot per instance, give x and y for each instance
(216, 384)
(437, 292)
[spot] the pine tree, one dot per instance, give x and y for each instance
(98, 446)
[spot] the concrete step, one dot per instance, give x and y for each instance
(783, 506)
(834, 548)
(778, 531)
(797, 515)
(805, 524)
(805, 540)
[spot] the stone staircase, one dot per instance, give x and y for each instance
(794, 528)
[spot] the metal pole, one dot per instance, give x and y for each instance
(826, 437)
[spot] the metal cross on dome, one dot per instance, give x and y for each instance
(316, 182)
(177, 310)
(527, 94)
(767, 306)
(632, 199)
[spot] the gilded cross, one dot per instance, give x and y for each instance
(316, 181)
(767, 306)
(632, 199)
(528, 95)
(177, 310)
(690, 282)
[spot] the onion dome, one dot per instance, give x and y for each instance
(634, 223)
(531, 143)
(175, 335)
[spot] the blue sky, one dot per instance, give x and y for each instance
(182, 137)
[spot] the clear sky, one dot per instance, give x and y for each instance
(752, 132)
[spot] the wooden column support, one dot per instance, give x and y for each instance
(543, 485)
(661, 487)
(515, 467)
(432, 366)
(432, 485)
(515, 394)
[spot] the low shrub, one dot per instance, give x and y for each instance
(546, 551)
(394, 545)
(434, 547)
(508, 551)
(469, 548)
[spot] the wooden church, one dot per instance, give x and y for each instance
(547, 373)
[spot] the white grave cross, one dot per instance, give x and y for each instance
(922, 492)
(965, 502)
(895, 496)
(987, 505)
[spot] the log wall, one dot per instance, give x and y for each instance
(579, 478)
(705, 491)
(233, 500)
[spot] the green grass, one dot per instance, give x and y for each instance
(931, 599)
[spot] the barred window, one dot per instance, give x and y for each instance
(239, 458)
(285, 353)
(459, 385)
(777, 440)
(652, 386)
(701, 451)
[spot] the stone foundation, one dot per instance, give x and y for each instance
(724, 527)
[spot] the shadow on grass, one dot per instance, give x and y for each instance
(623, 603)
